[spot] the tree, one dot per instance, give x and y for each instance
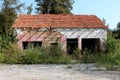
(104, 21)
(117, 31)
(29, 9)
(54, 6)
(8, 14)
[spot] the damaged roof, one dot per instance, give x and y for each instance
(58, 21)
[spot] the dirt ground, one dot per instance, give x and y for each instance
(56, 72)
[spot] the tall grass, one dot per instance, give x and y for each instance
(111, 57)
(52, 54)
(55, 55)
(13, 54)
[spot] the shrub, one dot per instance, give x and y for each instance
(2, 57)
(54, 51)
(13, 54)
(112, 45)
(77, 54)
(52, 54)
(89, 57)
(32, 56)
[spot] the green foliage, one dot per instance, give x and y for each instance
(32, 56)
(54, 6)
(8, 14)
(110, 59)
(69, 66)
(116, 32)
(12, 54)
(2, 57)
(112, 45)
(35, 56)
(88, 57)
(110, 62)
(52, 54)
(54, 51)
(77, 53)
(29, 9)
(55, 55)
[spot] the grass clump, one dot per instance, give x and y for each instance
(13, 54)
(55, 55)
(49, 55)
(31, 57)
(2, 57)
(69, 66)
(110, 59)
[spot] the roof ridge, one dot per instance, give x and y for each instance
(58, 14)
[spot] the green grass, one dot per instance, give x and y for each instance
(39, 55)
(110, 58)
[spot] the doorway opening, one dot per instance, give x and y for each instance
(91, 44)
(72, 44)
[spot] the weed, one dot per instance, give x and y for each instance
(69, 66)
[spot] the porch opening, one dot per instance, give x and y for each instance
(72, 44)
(91, 44)
(32, 44)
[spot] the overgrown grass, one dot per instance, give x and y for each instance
(39, 55)
(12, 55)
(110, 59)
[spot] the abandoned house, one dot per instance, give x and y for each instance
(70, 31)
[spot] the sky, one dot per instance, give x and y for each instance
(107, 9)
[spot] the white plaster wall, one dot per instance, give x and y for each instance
(85, 33)
(78, 33)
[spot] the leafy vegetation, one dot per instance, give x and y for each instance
(55, 55)
(54, 6)
(35, 56)
(11, 54)
(116, 32)
(8, 14)
(108, 59)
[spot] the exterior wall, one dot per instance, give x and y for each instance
(32, 35)
(84, 33)
(62, 35)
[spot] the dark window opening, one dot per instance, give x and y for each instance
(31, 45)
(72, 44)
(91, 45)
(54, 44)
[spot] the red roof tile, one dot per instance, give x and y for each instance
(58, 21)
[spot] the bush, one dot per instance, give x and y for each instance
(32, 56)
(77, 53)
(13, 54)
(111, 58)
(89, 57)
(2, 57)
(54, 51)
(111, 44)
(52, 54)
